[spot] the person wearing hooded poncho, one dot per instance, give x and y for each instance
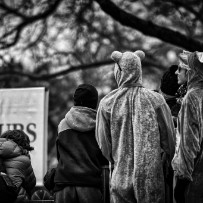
(134, 126)
(188, 160)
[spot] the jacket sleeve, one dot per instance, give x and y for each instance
(103, 135)
(29, 179)
(167, 130)
(189, 139)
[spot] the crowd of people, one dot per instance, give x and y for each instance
(151, 140)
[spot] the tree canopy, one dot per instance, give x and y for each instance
(51, 25)
(62, 43)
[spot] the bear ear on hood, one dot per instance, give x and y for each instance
(116, 56)
(140, 54)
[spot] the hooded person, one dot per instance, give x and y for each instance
(133, 127)
(181, 73)
(188, 160)
(78, 173)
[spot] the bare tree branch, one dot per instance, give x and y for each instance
(51, 9)
(39, 36)
(26, 20)
(46, 77)
(188, 8)
(149, 28)
(6, 44)
(54, 75)
(8, 9)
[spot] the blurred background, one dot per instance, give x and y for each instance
(59, 44)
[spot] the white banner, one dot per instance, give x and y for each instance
(27, 109)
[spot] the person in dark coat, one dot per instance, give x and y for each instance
(14, 151)
(169, 87)
(79, 169)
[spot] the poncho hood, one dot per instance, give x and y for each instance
(81, 118)
(128, 69)
(195, 74)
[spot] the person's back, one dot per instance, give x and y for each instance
(131, 124)
(78, 173)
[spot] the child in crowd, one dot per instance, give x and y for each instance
(14, 153)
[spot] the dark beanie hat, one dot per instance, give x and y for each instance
(169, 81)
(86, 95)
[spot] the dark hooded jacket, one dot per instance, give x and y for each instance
(79, 157)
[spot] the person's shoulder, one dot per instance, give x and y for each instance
(154, 97)
(193, 96)
(63, 126)
(109, 95)
(195, 92)
(154, 94)
(108, 99)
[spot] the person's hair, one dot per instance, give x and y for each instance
(169, 82)
(19, 137)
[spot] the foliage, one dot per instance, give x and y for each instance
(44, 43)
